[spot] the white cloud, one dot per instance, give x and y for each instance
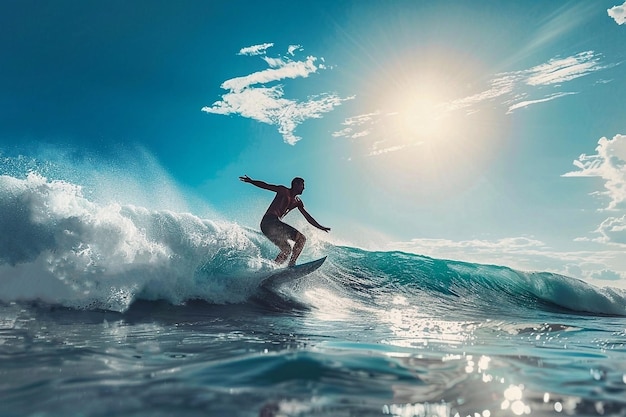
(609, 164)
(613, 230)
(618, 13)
(267, 105)
(293, 48)
(280, 70)
(255, 49)
(274, 62)
(250, 97)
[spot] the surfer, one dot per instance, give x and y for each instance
(271, 225)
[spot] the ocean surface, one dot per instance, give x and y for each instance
(111, 309)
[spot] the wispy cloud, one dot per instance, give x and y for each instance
(395, 148)
(618, 13)
(502, 85)
(561, 70)
(255, 49)
(251, 97)
(279, 70)
(527, 103)
(517, 88)
(358, 126)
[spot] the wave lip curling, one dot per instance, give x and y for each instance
(59, 247)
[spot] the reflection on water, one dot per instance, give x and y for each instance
(231, 360)
(513, 400)
(412, 329)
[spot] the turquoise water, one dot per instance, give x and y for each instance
(107, 309)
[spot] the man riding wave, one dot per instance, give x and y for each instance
(274, 229)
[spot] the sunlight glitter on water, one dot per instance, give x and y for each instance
(513, 400)
(417, 410)
(413, 330)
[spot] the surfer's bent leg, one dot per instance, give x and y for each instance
(297, 248)
(280, 233)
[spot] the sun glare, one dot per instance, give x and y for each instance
(421, 120)
(420, 134)
(420, 116)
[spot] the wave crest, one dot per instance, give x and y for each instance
(62, 248)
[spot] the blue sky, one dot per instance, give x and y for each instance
(483, 131)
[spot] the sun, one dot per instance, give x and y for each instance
(422, 120)
(420, 115)
(416, 127)
(424, 138)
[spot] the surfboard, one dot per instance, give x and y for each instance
(292, 272)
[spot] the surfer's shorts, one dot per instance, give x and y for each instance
(277, 231)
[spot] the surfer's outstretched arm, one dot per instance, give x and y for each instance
(311, 220)
(260, 184)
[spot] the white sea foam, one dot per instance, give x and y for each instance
(60, 247)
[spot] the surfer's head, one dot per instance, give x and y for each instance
(297, 184)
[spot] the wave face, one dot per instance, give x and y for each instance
(59, 247)
(485, 290)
